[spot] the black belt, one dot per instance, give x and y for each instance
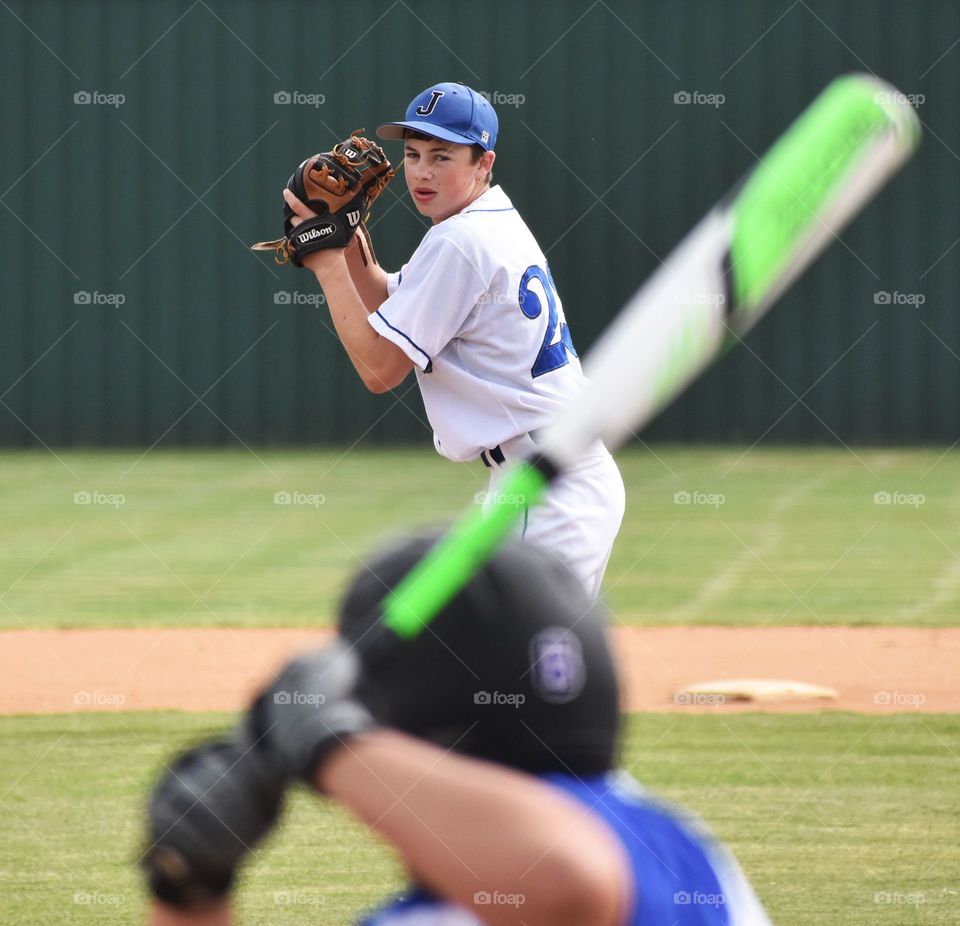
(496, 454)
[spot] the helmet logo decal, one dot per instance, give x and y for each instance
(431, 104)
(557, 664)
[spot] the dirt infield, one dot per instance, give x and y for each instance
(873, 669)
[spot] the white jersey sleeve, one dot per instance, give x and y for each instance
(433, 295)
(393, 281)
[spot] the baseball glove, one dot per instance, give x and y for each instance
(206, 813)
(340, 186)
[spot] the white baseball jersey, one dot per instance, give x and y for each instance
(476, 310)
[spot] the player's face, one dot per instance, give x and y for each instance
(442, 177)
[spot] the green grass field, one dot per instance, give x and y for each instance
(839, 819)
(791, 536)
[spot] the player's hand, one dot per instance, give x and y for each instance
(207, 812)
(309, 710)
(300, 210)
(318, 260)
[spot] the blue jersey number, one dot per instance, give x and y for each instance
(556, 350)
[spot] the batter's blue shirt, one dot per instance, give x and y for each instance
(681, 875)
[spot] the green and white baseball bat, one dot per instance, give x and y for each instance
(708, 293)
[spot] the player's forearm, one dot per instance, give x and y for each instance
(478, 834)
(369, 278)
(373, 357)
(347, 309)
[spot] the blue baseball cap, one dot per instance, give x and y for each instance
(452, 112)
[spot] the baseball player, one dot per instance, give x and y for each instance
(482, 751)
(476, 313)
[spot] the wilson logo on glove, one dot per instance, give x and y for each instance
(312, 234)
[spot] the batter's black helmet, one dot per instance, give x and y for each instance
(516, 669)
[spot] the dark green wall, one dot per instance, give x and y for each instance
(101, 198)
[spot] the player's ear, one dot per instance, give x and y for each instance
(486, 162)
